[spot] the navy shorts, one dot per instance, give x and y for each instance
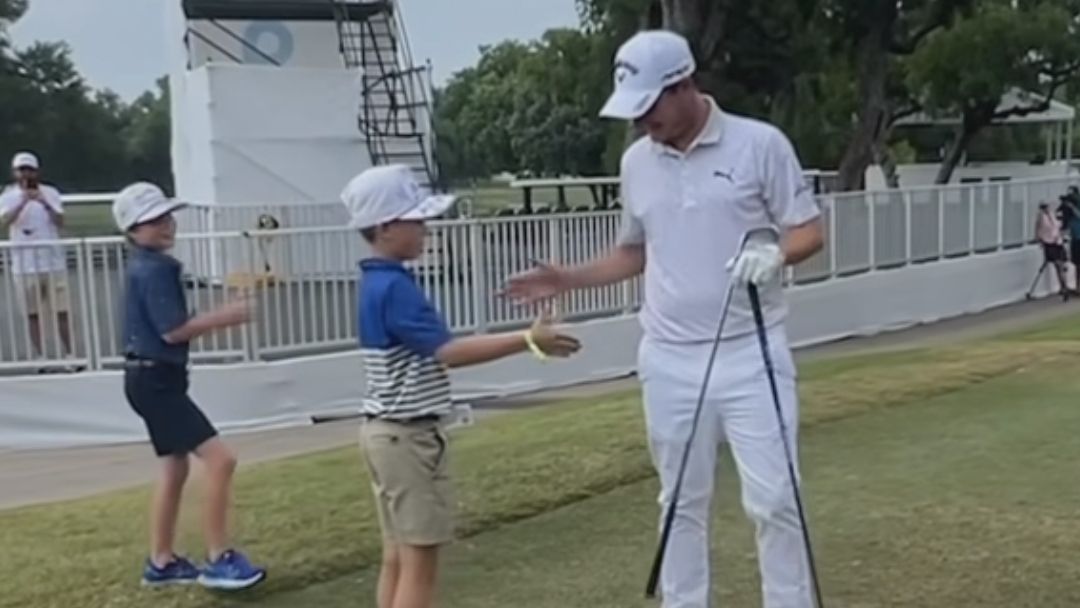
(158, 394)
(1053, 252)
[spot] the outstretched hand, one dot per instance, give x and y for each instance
(542, 282)
(237, 311)
(550, 341)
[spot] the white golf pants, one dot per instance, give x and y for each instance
(738, 410)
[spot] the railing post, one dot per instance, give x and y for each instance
(830, 203)
(907, 226)
(248, 338)
(554, 224)
(870, 200)
(1001, 218)
(628, 296)
(91, 329)
(1027, 212)
(971, 221)
(478, 277)
(940, 223)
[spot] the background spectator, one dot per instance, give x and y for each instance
(34, 215)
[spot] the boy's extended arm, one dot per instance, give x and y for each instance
(163, 300)
(474, 350)
(412, 320)
(231, 314)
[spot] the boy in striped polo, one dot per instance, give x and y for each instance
(407, 349)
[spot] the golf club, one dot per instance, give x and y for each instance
(759, 323)
(673, 501)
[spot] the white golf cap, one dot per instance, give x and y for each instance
(25, 160)
(645, 65)
(142, 202)
(387, 193)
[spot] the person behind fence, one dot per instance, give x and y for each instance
(157, 331)
(34, 214)
(1070, 220)
(1048, 233)
(407, 349)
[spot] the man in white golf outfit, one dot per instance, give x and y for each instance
(700, 185)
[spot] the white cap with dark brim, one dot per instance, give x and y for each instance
(384, 194)
(645, 65)
(140, 203)
(25, 160)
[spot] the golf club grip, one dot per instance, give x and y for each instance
(755, 305)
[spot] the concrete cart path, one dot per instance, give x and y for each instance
(38, 476)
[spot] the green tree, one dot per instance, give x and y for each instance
(473, 113)
(871, 35)
(527, 108)
(88, 139)
(966, 70)
(147, 135)
(75, 130)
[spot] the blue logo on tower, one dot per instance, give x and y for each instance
(272, 39)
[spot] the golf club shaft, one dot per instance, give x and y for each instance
(759, 323)
(673, 500)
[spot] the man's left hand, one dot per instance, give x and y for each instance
(759, 263)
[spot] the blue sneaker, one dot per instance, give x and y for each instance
(178, 572)
(231, 572)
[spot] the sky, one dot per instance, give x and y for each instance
(117, 44)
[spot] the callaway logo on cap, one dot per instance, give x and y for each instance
(645, 65)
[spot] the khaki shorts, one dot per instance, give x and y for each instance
(410, 477)
(44, 293)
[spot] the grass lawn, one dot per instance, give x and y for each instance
(89, 220)
(942, 478)
(963, 500)
(82, 221)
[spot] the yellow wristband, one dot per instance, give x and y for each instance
(536, 350)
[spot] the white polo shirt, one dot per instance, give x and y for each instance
(691, 211)
(33, 225)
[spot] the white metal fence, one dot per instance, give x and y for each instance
(304, 279)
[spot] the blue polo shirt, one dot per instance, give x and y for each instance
(400, 332)
(154, 305)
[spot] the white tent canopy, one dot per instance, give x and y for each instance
(1058, 112)
(1056, 121)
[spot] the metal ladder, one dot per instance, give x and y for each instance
(395, 113)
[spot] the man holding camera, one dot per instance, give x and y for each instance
(34, 214)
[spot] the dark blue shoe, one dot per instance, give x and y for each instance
(178, 572)
(231, 572)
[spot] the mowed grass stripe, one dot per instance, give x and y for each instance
(311, 518)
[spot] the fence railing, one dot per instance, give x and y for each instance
(304, 280)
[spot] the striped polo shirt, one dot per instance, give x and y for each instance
(400, 331)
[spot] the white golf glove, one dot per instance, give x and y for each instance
(759, 263)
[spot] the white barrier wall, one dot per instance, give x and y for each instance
(88, 409)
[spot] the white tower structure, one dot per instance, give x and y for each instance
(280, 102)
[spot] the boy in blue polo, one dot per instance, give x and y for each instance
(407, 349)
(157, 332)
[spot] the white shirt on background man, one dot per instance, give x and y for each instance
(33, 225)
